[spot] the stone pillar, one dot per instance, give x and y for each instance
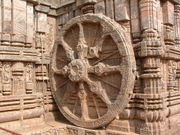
(110, 8)
(151, 44)
(41, 78)
(151, 49)
(168, 20)
(122, 14)
(177, 25)
(6, 22)
(30, 25)
(41, 29)
(19, 23)
(135, 22)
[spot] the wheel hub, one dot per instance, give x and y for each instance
(77, 70)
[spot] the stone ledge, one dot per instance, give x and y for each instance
(10, 53)
(59, 128)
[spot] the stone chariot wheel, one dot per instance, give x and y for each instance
(92, 69)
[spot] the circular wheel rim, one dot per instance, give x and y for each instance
(115, 31)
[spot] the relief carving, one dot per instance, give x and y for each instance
(40, 41)
(29, 78)
(18, 78)
(93, 66)
(172, 75)
(72, 131)
(7, 79)
(92, 60)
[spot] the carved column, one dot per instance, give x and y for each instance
(122, 14)
(6, 22)
(110, 8)
(30, 25)
(168, 20)
(177, 24)
(41, 24)
(19, 22)
(41, 78)
(151, 46)
(151, 49)
(135, 20)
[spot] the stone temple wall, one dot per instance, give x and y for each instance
(28, 30)
(27, 34)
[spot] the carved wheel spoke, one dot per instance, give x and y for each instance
(93, 62)
(103, 69)
(68, 50)
(58, 71)
(106, 57)
(96, 88)
(82, 94)
(82, 45)
(62, 71)
(108, 83)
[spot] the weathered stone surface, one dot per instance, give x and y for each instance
(84, 2)
(96, 74)
(7, 21)
(109, 8)
(30, 25)
(41, 22)
(19, 22)
(100, 8)
(91, 51)
(121, 10)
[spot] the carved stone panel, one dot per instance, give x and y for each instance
(7, 79)
(92, 70)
